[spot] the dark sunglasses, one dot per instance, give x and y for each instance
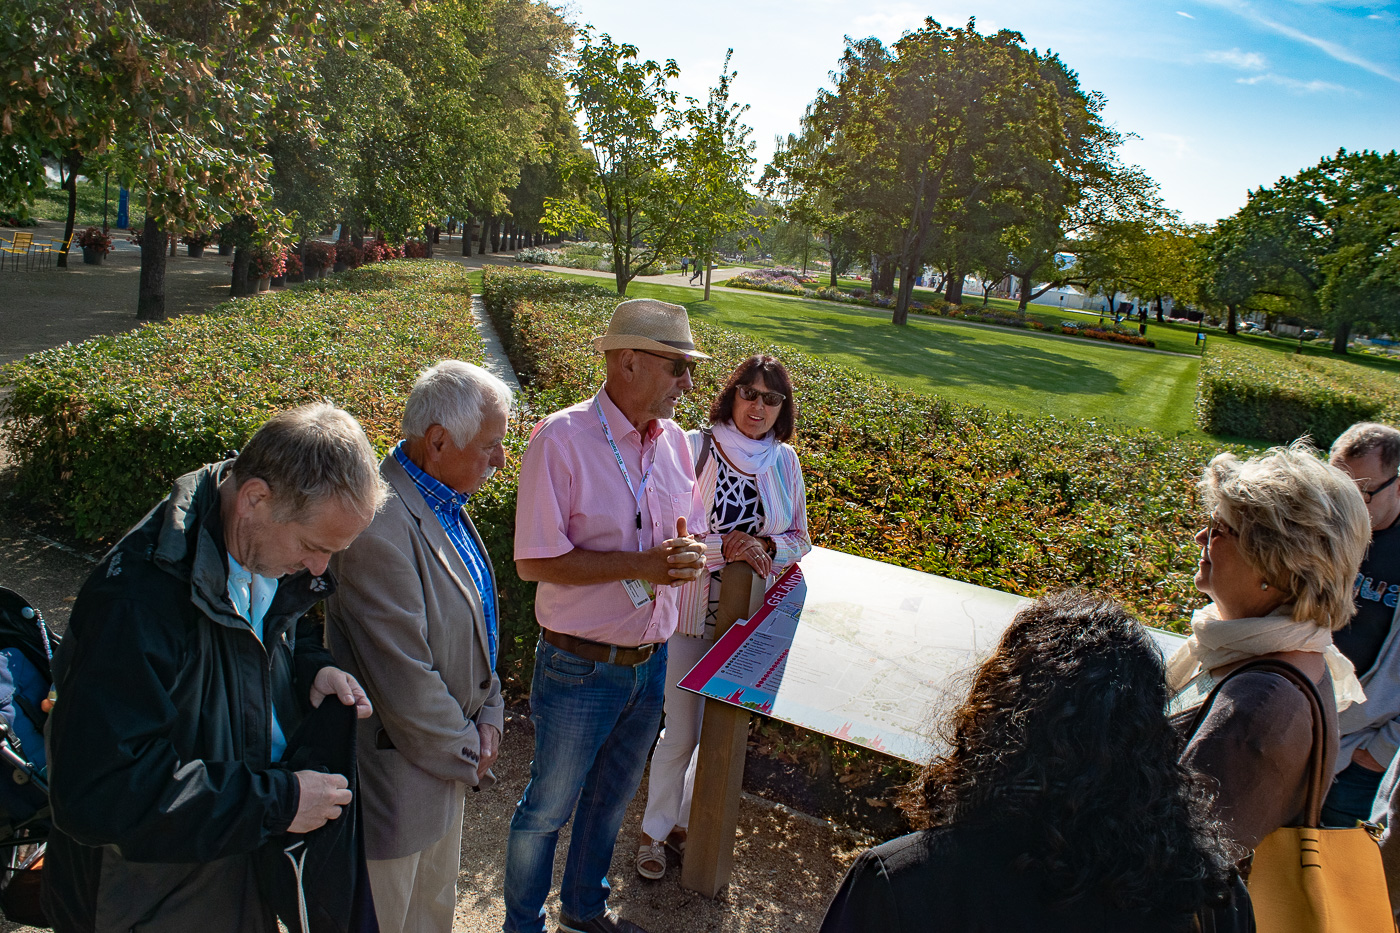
(771, 399)
(1366, 494)
(679, 364)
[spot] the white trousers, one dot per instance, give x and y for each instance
(672, 778)
(418, 893)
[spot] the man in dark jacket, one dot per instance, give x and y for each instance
(185, 666)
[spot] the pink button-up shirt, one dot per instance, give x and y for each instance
(572, 495)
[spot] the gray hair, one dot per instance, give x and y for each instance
(312, 455)
(1301, 524)
(455, 395)
(1365, 436)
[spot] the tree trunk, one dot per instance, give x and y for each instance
(428, 231)
(150, 300)
(241, 284)
(1025, 295)
(708, 273)
(1161, 315)
(1230, 326)
(495, 234)
(1342, 335)
(71, 183)
(483, 236)
(906, 291)
(954, 291)
(468, 232)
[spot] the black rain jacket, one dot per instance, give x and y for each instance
(160, 739)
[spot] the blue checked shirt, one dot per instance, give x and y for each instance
(447, 505)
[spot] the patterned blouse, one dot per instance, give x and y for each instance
(778, 511)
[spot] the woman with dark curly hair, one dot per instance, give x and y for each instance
(1060, 805)
(750, 482)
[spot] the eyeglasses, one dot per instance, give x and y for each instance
(771, 399)
(1215, 528)
(1366, 494)
(679, 364)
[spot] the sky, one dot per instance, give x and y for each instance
(1221, 96)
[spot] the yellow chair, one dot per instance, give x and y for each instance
(52, 248)
(21, 244)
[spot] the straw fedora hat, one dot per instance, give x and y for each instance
(648, 324)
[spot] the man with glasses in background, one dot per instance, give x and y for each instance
(1370, 453)
(604, 517)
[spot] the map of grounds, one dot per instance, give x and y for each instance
(860, 650)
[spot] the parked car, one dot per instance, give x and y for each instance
(1311, 334)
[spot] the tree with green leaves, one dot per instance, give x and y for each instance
(943, 121)
(632, 131)
(1318, 244)
(715, 165)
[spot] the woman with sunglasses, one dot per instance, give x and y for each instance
(751, 484)
(1279, 556)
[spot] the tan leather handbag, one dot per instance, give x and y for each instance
(1307, 879)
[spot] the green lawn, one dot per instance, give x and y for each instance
(996, 367)
(53, 205)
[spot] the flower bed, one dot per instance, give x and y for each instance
(99, 429)
(1254, 392)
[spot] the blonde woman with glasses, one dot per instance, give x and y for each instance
(1279, 554)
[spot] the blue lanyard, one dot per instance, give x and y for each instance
(636, 492)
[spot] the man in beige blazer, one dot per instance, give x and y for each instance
(415, 621)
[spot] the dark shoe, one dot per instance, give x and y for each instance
(606, 922)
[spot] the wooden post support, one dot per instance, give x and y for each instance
(719, 773)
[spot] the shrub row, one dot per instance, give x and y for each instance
(99, 430)
(994, 499)
(1255, 392)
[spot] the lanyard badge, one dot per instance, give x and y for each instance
(641, 592)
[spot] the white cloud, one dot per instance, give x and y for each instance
(889, 22)
(1293, 83)
(1340, 53)
(1245, 61)
(1185, 14)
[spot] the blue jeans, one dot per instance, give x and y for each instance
(594, 724)
(1352, 794)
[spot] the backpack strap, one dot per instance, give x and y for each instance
(707, 442)
(1312, 813)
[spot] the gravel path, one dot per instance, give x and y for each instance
(786, 865)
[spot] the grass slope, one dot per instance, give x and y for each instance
(999, 368)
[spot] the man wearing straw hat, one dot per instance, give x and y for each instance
(605, 499)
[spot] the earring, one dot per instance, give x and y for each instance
(1263, 586)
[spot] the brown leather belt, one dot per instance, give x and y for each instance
(597, 650)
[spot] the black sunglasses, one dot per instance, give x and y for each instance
(771, 399)
(679, 364)
(1366, 494)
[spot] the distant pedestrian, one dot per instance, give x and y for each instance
(685, 265)
(698, 271)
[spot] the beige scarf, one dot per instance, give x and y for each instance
(1215, 641)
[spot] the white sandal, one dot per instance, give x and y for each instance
(651, 860)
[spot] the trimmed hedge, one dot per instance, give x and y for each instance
(994, 499)
(98, 430)
(1252, 392)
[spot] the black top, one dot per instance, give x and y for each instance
(1377, 586)
(960, 879)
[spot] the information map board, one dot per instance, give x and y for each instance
(860, 650)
